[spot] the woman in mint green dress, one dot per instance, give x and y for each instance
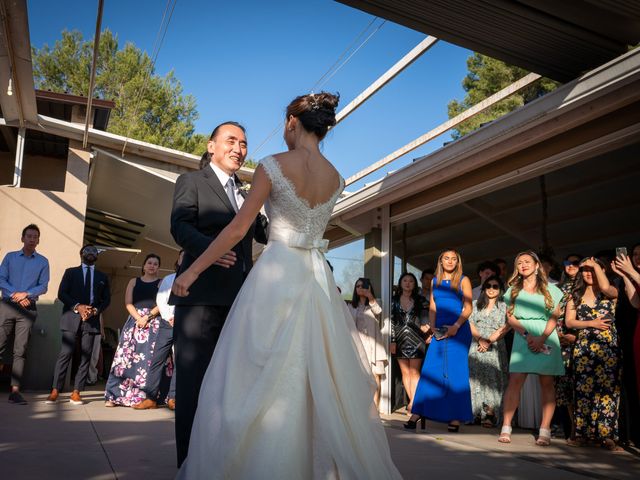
(532, 311)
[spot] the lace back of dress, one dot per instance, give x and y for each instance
(286, 209)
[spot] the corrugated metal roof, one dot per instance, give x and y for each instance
(557, 39)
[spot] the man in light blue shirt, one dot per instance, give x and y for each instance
(24, 276)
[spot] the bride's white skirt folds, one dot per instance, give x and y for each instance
(288, 394)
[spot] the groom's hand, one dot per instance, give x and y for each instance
(227, 260)
(183, 282)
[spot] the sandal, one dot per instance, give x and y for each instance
(544, 437)
(505, 435)
(109, 404)
(611, 445)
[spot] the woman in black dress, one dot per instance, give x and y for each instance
(128, 375)
(409, 327)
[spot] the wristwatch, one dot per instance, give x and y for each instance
(525, 333)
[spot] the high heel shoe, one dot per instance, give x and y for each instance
(411, 423)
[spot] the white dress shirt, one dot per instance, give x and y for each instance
(224, 178)
(162, 298)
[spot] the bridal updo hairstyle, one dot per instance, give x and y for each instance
(316, 112)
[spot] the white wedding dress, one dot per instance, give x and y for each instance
(288, 394)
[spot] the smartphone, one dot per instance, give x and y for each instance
(621, 251)
(366, 284)
(440, 332)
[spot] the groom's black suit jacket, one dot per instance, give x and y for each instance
(201, 210)
(71, 292)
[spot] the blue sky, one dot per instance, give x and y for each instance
(245, 60)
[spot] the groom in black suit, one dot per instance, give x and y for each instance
(204, 203)
(84, 293)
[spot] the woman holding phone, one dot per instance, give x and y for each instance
(443, 393)
(596, 357)
(366, 311)
(532, 311)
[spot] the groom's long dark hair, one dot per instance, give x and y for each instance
(206, 156)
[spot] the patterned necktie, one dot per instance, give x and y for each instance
(231, 194)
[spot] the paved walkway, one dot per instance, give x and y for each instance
(91, 442)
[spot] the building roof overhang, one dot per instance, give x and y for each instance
(559, 40)
(610, 88)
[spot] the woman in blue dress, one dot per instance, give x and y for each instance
(443, 392)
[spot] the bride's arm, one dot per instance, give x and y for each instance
(231, 235)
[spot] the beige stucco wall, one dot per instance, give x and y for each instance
(60, 217)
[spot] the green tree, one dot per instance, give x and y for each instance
(162, 115)
(487, 76)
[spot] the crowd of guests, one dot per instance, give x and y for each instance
(464, 354)
(472, 355)
(141, 374)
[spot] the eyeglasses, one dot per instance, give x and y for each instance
(492, 286)
(574, 263)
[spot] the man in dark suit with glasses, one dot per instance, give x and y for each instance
(84, 292)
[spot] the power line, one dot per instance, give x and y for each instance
(154, 56)
(344, 53)
(329, 73)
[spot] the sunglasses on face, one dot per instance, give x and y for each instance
(574, 263)
(492, 286)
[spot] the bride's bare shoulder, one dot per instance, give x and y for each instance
(291, 161)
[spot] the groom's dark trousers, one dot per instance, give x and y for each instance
(201, 210)
(196, 332)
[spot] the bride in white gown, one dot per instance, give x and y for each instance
(288, 393)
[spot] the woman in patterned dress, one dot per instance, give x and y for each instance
(488, 360)
(596, 357)
(565, 383)
(409, 317)
(128, 376)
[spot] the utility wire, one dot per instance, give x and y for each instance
(344, 53)
(329, 73)
(162, 31)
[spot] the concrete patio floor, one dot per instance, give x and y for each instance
(63, 441)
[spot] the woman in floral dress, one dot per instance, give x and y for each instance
(596, 357)
(128, 375)
(488, 360)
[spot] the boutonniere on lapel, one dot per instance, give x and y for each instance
(244, 189)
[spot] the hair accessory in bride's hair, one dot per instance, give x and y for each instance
(314, 102)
